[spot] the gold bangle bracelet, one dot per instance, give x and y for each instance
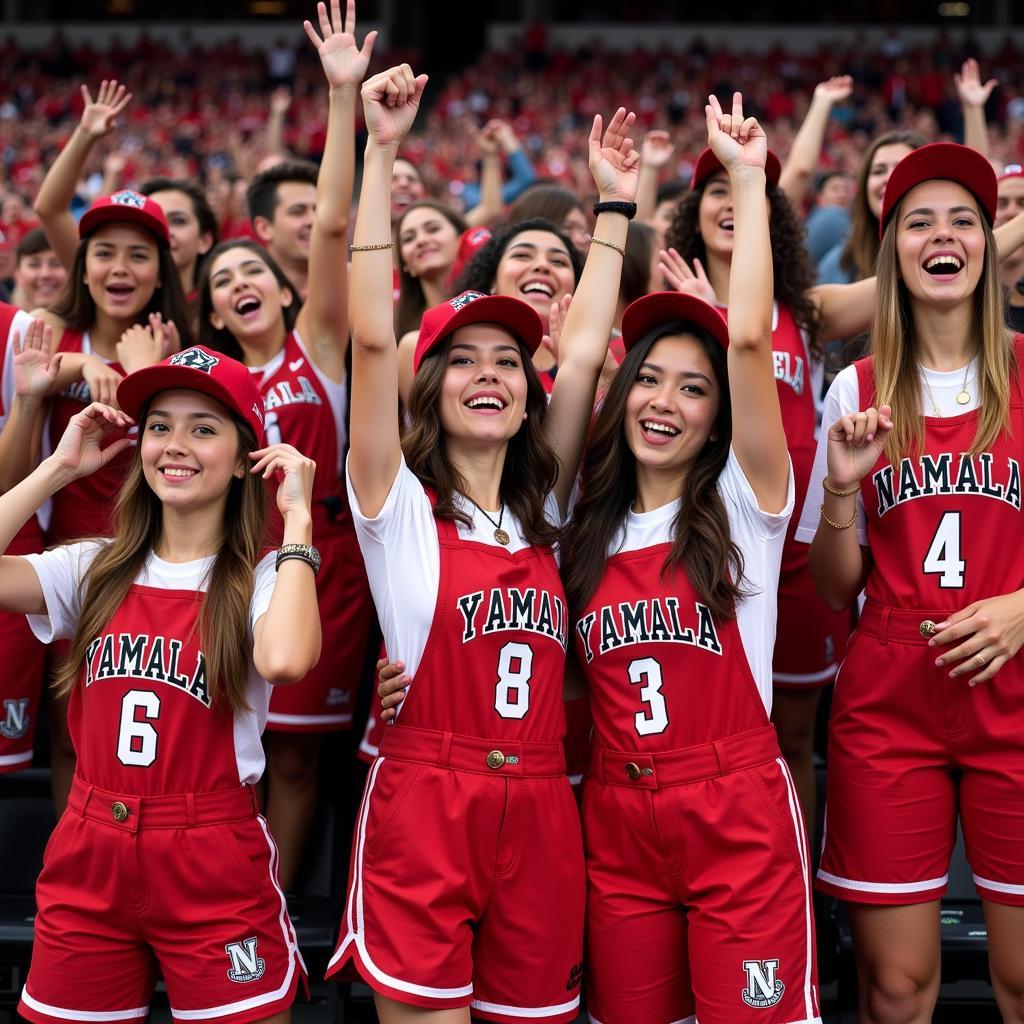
(839, 494)
(610, 245)
(839, 526)
(369, 248)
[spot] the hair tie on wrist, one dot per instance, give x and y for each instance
(628, 210)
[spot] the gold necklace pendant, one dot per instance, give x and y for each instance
(501, 536)
(963, 397)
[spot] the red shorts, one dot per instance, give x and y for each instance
(810, 638)
(324, 700)
(698, 887)
(467, 882)
(909, 748)
(117, 899)
(22, 671)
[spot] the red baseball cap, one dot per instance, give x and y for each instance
(197, 369)
(1011, 171)
(476, 308)
(648, 312)
(945, 161)
(708, 164)
(471, 241)
(129, 206)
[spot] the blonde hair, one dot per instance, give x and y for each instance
(224, 616)
(894, 346)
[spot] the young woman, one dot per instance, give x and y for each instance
(161, 859)
(811, 637)
(248, 309)
(427, 239)
(919, 501)
(697, 864)
(39, 275)
(467, 881)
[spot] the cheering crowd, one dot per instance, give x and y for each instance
(618, 514)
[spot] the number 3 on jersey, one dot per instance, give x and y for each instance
(646, 673)
(943, 557)
(136, 741)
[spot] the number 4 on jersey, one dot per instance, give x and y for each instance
(943, 557)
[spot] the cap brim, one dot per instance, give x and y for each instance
(93, 219)
(137, 388)
(646, 313)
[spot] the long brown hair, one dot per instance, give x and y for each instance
(702, 546)
(530, 469)
(897, 378)
(861, 249)
(794, 274)
(224, 616)
(412, 303)
(77, 310)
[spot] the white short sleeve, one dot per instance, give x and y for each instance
(744, 512)
(843, 397)
(61, 571)
(264, 579)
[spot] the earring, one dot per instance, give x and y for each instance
(525, 415)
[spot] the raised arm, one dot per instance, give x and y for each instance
(390, 102)
(323, 321)
(614, 163)
(795, 180)
(758, 437)
(490, 204)
(273, 130)
(973, 97)
(35, 370)
(655, 152)
(53, 203)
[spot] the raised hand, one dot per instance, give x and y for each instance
(656, 149)
(680, 278)
(556, 318)
(102, 380)
(390, 102)
(281, 97)
(79, 452)
(736, 140)
(968, 85)
(145, 345)
(855, 442)
(614, 163)
(344, 62)
(99, 117)
(487, 138)
(35, 370)
(835, 90)
(295, 475)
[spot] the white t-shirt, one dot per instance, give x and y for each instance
(402, 555)
(61, 571)
(937, 387)
(759, 535)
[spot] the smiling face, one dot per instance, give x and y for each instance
(536, 268)
(289, 232)
(406, 187)
(190, 452)
(40, 277)
(940, 242)
(483, 395)
(883, 162)
(122, 269)
(671, 406)
(428, 242)
(714, 216)
(246, 296)
(188, 243)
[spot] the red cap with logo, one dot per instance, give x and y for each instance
(648, 312)
(471, 241)
(944, 161)
(122, 206)
(708, 164)
(476, 308)
(1011, 171)
(197, 369)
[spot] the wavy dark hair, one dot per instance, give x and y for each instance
(77, 310)
(531, 467)
(794, 274)
(702, 546)
(861, 249)
(546, 201)
(220, 339)
(412, 303)
(479, 273)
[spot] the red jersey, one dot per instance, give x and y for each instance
(662, 672)
(307, 411)
(943, 525)
(82, 508)
(494, 661)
